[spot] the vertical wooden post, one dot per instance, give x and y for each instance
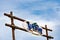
(47, 36)
(46, 31)
(12, 23)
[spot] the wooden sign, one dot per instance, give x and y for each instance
(13, 26)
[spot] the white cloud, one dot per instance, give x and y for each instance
(26, 14)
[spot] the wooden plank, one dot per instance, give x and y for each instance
(46, 32)
(48, 36)
(47, 29)
(16, 27)
(14, 17)
(13, 29)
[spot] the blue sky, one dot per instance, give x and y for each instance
(40, 11)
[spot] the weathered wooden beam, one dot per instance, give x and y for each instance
(48, 36)
(13, 29)
(16, 27)
(14, 17)
(46, 32)
(47, 29)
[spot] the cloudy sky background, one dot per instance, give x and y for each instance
(40, 11)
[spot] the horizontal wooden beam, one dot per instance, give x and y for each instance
(48, 36)
(16, 27)
(47, 29)
(14, 17)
